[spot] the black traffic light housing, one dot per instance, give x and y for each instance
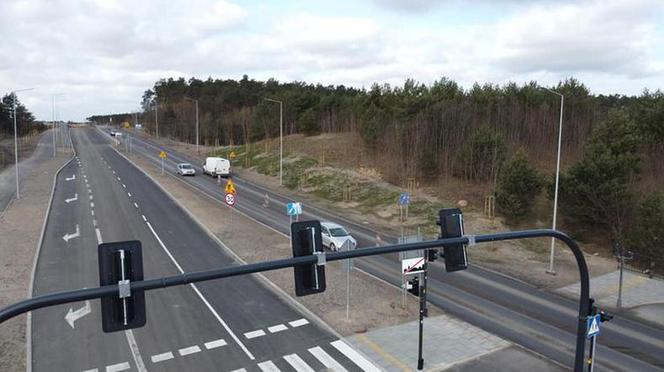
(451, 226)
(306, 239)
(121, 263)
(414, 286)
(432, 254)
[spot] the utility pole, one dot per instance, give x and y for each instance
(13, 93)
(281, 139)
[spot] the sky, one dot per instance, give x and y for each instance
(99, 56)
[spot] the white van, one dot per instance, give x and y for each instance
(217, 167)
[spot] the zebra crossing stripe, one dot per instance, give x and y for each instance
(326, 359)
(297, 363)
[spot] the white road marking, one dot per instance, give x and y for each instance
(326, 359)
(135, 205)
(67, 237)
(123, 185)
(118, 178)
(91, 197)
(239, 370)
(73, 177)
(92, 205)
(92, 212)
(117, 367)
(133, 346)
(69, 200)
(74, 315)
(277, 328)
(298, 323)
(144, 219)
(254, 334)
(99, 241)
(86, 181)
(161, 357)
(129, 194)
(92, 370)
(113, 172)
(200, 295)
(189, 350)
(94, 223)
(215, 344)
(268, 366)
(297, 363)
(353, 355)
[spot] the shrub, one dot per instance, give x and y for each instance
(518, 184)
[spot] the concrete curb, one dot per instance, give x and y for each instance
(270, 285)
(28, 326)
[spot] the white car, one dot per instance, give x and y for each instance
(335, 235)
(185, 169)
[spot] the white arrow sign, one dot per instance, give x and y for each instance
(73, 316)
(66, 237)
(72, 199)
(73, 177)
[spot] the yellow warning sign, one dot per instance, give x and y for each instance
(232, 155)
(162, 154)
(230, 187)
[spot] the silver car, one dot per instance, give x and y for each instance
(185, 169)
(335, 235)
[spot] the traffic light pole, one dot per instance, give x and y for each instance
(51, 299)
(423, 309)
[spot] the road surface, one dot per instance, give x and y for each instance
(538, 320)
(220, 325)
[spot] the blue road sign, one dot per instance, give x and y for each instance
(593, 326)
(404, 198)
(293, 209)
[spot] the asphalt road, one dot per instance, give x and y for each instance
(538, 320)
(220, 325)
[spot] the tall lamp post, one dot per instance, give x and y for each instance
(196, 102)
(13, 93)
(281, 139)
(53, 119)
(551, 270)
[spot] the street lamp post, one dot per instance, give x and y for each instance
(196, 102)
(551, 270)
(53, 119)
(13, 93)
(156, 120)
(281, 139)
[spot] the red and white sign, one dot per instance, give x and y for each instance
(411, 266)
(229, 198)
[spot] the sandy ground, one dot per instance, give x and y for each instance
(20, 229)
(374, 304)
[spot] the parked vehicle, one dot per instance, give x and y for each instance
(185, 169)
(335, 235)
(217, 167)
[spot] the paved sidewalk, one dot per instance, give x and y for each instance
(447, 341)
(637, 289)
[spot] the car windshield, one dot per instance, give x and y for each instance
(185, 166)
(338, 231)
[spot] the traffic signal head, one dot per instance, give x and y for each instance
(306, 239)
(413, 286)
(432, 254)
(121, 263)
(451, 226)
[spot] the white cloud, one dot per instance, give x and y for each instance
(104, 54)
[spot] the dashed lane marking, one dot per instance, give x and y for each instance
(277, 328)
(297, 363)
(268, 366)
(161, 357)
(118, 367)
(92, 204)
(326, 359)
(129, 194)
(189, 350)
(92, 370)
(254, 334)
(298, 323)
(215, 344)
(144, 219)
(239, 370)
(118, 178)
(135, 205)
(92, 212)
(354, 356)
(124, 186)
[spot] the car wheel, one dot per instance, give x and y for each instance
(332, 247)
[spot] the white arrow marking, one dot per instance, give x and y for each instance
(73, 316)
(75, 198)
(73, 177)
(66, 237)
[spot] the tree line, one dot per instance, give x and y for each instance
(500, 136)
(25, 120)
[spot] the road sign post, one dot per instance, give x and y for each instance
(348, 265)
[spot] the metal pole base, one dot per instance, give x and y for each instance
(551, 272)
(420, 364)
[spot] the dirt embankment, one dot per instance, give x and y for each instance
(20, 230)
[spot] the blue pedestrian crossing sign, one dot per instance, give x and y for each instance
(293, 209)
(593, 326)
(404, 198)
